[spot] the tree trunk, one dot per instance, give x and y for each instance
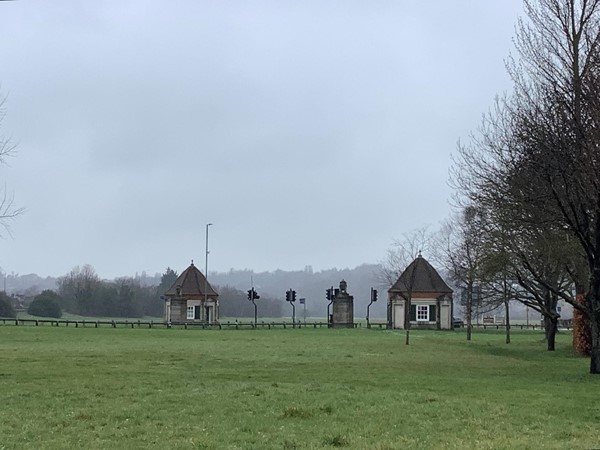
(407, 337)
(507, 321)
(582, 336)
(593, 304)
(550, 328)
(595, 352)
(469, 310)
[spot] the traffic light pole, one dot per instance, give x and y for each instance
(290, 296)
(253, 295)
(373, 300)
(329, 296)
(368, 308)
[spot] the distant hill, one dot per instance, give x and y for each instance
(30, 284)
(311, 286)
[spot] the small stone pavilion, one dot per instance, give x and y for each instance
(191, 299)
(430, 298)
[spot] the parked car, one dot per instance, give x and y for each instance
(458, 322)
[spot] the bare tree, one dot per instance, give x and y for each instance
(77, 288)
(402, 252)
(8, 210)
(462, 245)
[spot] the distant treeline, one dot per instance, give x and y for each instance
(234, 303)
(82, 292)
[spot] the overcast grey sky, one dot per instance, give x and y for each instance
(308, 132)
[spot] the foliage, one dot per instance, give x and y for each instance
(82, 292)
(6, 307)
(166, 280)
(292, 388)
(78, 288)
(46, 304)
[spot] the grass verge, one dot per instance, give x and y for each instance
(291, 389)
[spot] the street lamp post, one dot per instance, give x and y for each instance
(206, 272)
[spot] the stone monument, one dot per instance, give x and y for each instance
(343, 308)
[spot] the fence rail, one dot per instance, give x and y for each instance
(226, 325)
(162, 324)
(185, 325)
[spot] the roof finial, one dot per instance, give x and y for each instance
(419, 255)
(192, 262)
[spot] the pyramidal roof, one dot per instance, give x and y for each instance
(192, 284)
(420, 276)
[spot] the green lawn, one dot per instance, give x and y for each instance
(291, 389)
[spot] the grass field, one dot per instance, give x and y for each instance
(291, 389)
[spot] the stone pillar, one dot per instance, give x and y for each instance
(343, 308)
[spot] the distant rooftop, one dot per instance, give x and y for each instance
(192, 284)
(420, 276)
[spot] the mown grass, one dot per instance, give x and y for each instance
(291, 389)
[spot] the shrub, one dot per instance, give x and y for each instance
(6, 307)
(45, 304)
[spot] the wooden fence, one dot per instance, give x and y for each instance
(161, 324)
(227, 325)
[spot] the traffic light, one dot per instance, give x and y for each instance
(288, 295)
(250, 294)
(328, 294)
(293, 296)
(256, 296)
(373, 295)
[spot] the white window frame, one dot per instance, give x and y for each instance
(422, 313)
(191, 312)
